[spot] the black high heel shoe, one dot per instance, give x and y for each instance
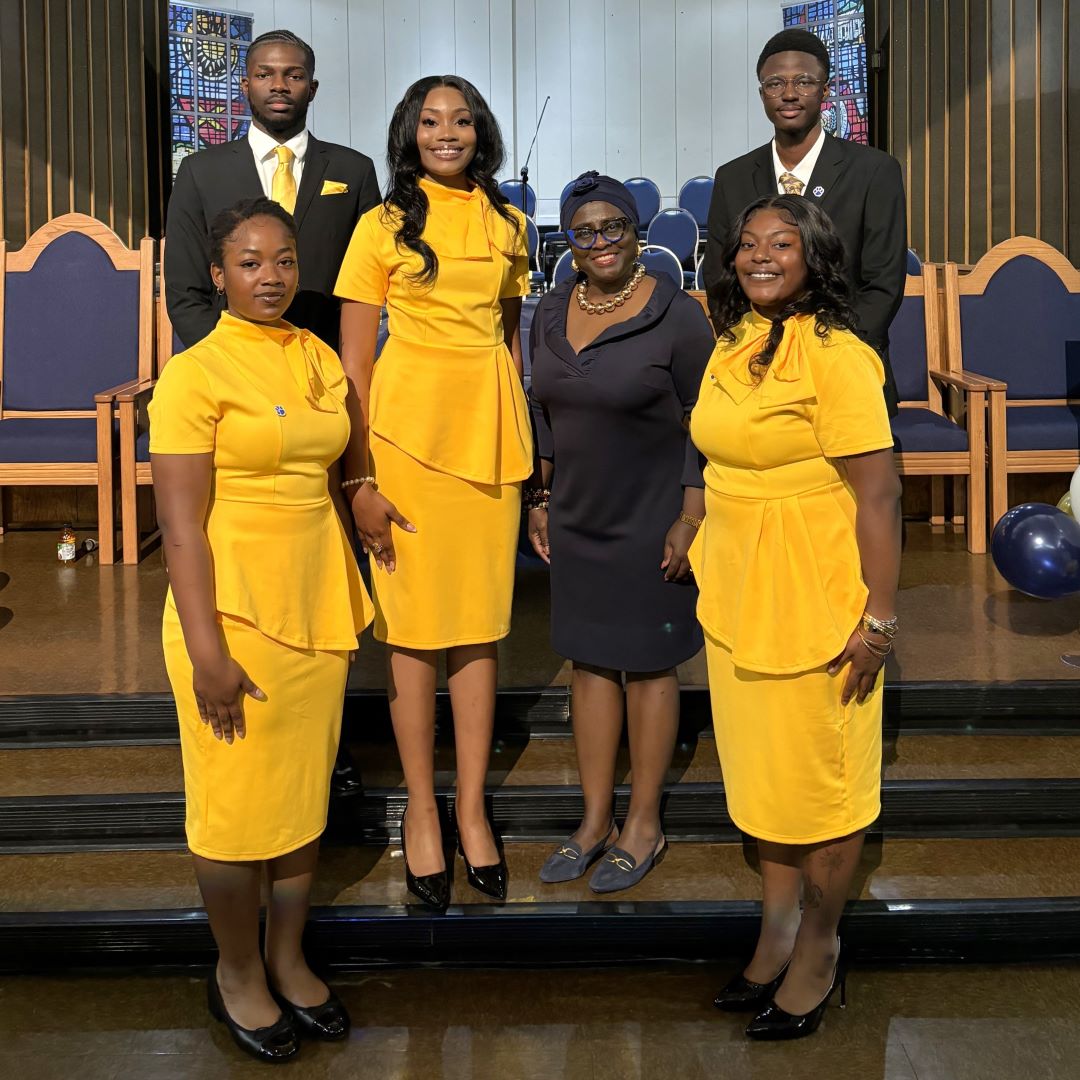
(327, 1022)
(490, 880)
(274, 1044)
(743, 995)
(775, 1023)
(433, 890)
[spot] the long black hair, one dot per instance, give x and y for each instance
(828, 293)
(403, 159)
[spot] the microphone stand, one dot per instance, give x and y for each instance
(528, 158)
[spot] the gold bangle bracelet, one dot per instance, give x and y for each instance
(693, 522)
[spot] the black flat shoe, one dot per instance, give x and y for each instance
(490, 880)
(743, 995)
(345, 779)
(274, 1044)
(432, 890)
(775, 1023)
(327, 1022)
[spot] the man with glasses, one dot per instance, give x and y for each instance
(860, 188)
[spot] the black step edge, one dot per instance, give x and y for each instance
(1029, 707)
(965, 930)
(692, 812)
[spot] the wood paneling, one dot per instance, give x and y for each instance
(979, 100)
(82, 114)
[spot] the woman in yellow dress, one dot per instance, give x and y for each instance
(797, 566)
(264, 607)
(440, 442)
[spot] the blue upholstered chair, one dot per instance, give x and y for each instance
(512, 190)
(696, 196)
(647, 198)
(914, 263)
(76, 330)
(940, 430)
(563, 268)
(676, 230)
(536, 276)
(662, 260)
(1015, 321)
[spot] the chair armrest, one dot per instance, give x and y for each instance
(103, 397)
(968, 380)
(137, 391)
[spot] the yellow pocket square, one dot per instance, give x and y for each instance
(334, 187)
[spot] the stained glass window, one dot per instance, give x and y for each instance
(841, 24)
(207, 55)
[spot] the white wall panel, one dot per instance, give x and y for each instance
(436, 36)
(331, 113)
(472, 37)
(658, 65)
(623, 86)
(369, 113)
(693, 91)
(401, 48)
(553, 158)
(501, 100)
(588, 115)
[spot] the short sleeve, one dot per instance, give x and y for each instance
(850, 416)
(364, 275)
(543, 439)
(184, 411)
(516, 282)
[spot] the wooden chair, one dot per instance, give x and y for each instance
(936, 436)
(76, 316)
(1015, 321)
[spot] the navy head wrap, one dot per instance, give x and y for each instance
(592, 187)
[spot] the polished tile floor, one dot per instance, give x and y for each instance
(86, 629)
(657, 1023)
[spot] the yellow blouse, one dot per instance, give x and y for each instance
(445, 389)
(777, 562)
(269, 404)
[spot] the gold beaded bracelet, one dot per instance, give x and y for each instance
(886, 627)
(359, 482)
(693, 522)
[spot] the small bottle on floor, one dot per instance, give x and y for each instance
(67, 545)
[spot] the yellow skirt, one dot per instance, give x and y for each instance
(799, 767)
(266, 794)
(454, 582)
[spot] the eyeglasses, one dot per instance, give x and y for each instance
(805, 85)
(612, 231)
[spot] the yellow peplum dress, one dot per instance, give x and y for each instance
(269, 404)
(449, 432)
(780, 578)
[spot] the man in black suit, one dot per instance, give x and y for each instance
(860, 188)
(325, 186)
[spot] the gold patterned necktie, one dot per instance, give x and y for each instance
(791, 184)
(283, 189)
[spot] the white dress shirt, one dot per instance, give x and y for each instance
(804, 170)
(264, 147)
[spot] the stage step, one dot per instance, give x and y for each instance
(1049, 707)
(115, 770)
(918, 899)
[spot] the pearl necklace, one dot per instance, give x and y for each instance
(616, 301)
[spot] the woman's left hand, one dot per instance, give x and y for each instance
(864, 667)
(676, 565)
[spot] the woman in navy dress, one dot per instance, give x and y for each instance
(617, 359)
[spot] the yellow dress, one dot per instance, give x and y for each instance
(268, 404)
(780, 578)
(449, 432)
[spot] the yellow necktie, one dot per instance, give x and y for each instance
(791, 184)
(283, 189)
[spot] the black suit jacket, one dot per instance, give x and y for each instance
(862, 191)
(220, 176)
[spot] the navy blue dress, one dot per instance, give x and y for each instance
(612, 421)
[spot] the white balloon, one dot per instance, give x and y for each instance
(1074, 491)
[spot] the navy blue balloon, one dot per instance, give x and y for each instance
(1036, 548)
